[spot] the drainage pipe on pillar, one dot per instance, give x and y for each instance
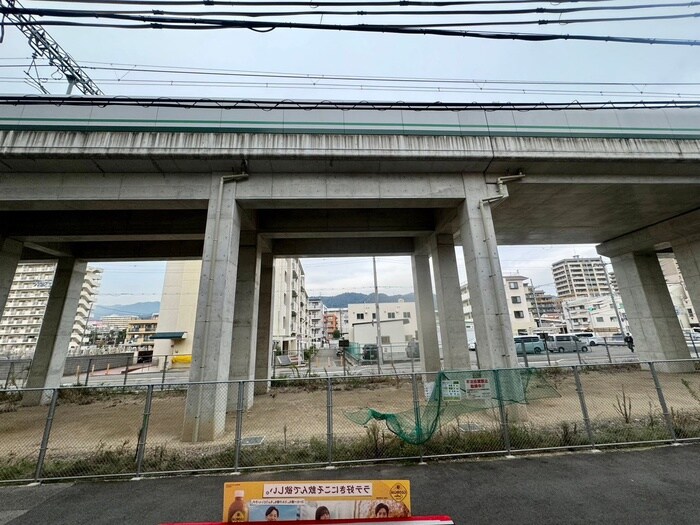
(492, 247)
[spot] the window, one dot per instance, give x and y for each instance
(391, 315)
(513, 285)
(599, 319)
(386, 340)
(360, 317)
(613, 319)
(519, 313)
(516, 299)
(407, 315)
(374, 315)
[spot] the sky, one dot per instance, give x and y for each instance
(460, 70)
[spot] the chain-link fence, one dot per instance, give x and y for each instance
(134, 430)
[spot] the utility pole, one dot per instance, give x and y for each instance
(45, 46)
(376, 309)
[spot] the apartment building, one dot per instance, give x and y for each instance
(331, 322)
(687, 314)
(178, 306)
(139, 336)
(26, 303)
(402, 314)
(595, 314)
(317, 321)
(118, 321)
(582, 277)
(290, 325)
(521, 320)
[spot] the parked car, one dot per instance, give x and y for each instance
(612, 340)
(531, 343)
(413, 350)
(585, 337)
(565, 343)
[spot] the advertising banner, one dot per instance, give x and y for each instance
(316, 500)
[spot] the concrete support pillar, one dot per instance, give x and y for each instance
(425, 311)
(494, 335)
(453, 331)
(54, 337)
(245, 319)
(205, 409)
(650, 311)
(688, 257)
(10, 253)
(263, 353)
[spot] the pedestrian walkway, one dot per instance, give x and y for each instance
(657, 486)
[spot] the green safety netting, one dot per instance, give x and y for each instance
(455, 393)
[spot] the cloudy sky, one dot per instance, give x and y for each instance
(340, 65)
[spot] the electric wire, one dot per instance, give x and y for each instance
(362, 28)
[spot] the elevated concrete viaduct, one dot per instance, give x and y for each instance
(237, 186)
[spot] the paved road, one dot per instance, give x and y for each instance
(642, 487)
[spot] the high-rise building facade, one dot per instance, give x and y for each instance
(582, 277)
(26, 303)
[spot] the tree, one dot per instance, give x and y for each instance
(336, 334)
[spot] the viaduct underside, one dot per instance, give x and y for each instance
(237, 200)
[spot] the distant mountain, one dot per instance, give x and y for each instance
(342, 300)
(141, 310)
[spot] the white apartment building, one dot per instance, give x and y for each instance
(594, 314)
(521, 320)
(317, 326)
(26, 303)
(88, 296)
(118, 321)
(687, 314)
(582, 277)
(290, 320)
(402, 314)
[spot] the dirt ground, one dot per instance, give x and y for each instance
(293, 414)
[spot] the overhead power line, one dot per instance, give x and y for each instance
(159, 23)
(44, 45)
(320, 3)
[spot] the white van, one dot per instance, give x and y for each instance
(530, 343)
(565, 343)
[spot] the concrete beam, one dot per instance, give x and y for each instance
(343, 246)
(680, 229)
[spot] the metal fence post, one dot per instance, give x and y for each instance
(578, 352)
(10, 373)
(662, 402)
(45, 439)
(87, 372)
(329, 421)
(584, 408)
(143, 433)
(607, 349)
(695, 348)
(522, 347)
(165, 367)
(502, 412)
(239, 425)
(126, 370)
(416, 414)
